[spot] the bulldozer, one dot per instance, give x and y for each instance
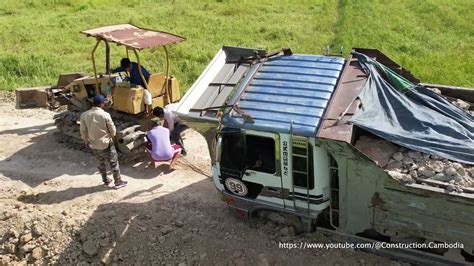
(129, 104)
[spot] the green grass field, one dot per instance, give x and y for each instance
(40, 39)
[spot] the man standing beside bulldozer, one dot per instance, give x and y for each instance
(97, 130)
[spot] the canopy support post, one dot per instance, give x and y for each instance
(97, 89)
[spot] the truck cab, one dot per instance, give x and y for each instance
(261, 114)
(289, 173)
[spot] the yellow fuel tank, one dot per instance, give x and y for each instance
(156, 84)
(128, 99)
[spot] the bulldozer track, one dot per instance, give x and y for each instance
(130, 142)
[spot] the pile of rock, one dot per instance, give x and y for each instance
(463, 105)
(412, 165)
(32, 235)
(458, 102)
(26, 246)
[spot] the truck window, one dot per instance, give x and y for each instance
(260, 154)
(233, 152)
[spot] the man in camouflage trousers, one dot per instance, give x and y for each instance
(97, 131)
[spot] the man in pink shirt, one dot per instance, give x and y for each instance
(159, 145)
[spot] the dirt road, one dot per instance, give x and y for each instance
(54, 209)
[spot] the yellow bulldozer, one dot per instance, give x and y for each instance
(129, 104)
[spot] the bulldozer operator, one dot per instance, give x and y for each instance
(132, 69)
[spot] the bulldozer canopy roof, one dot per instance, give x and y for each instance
(133, 36)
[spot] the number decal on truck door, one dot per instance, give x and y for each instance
(236, 186)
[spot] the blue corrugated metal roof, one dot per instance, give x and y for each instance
(288, 88)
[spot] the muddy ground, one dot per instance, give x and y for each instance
(54, 209)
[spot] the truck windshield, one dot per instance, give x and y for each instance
(233, 152)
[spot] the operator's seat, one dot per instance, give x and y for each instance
(156, 85)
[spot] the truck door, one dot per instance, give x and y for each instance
(263, 166)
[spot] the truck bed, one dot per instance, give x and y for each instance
(370, 199)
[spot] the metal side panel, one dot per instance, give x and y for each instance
(212, 89)
(429, 223)
(200, 86)
(217, 82)
(403, 210)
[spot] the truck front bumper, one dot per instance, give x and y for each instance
(247, 208)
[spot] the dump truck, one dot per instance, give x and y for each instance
(129, 104)
(279, 132)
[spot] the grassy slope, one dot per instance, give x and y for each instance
(39, 38)
(434, 39)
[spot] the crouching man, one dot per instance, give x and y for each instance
(159, 146)
(97, 132)
(175, 126)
